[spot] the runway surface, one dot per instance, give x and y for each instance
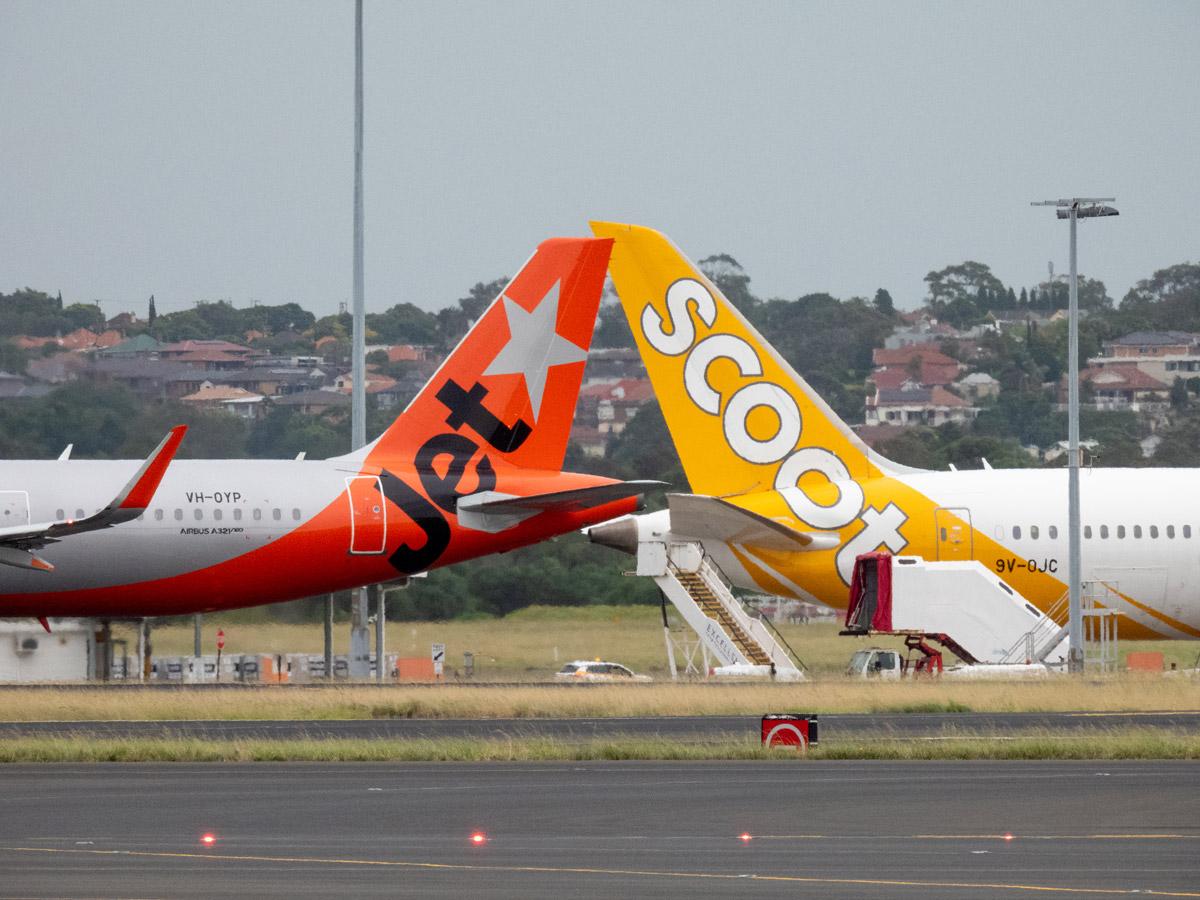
(890, 727)
(603, 830)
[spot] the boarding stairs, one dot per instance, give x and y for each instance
(961, 604)
(1046, 635)
(694, 586)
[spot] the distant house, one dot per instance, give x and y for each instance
(152, 378)
(374, 382)
(80, 340)
(920, 406)
(923, 331)
(142, 346)
(315, 403)
(59, 368)
(591, 440)
(1163, 355)
(978, 384)
(1120, 386)
(236, 400)
(608, 366)
(121, 322)
(1016, 321)
(610, 407)
(408, 353)
(208, 355)
(924, 364)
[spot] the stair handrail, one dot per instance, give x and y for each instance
(1032, 639)
(779, 635)
(737, 612)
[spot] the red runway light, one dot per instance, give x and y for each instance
(209, 839)
(745, 838)
(1008, 837)
(478, 838)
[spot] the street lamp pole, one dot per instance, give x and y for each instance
(1075, 209)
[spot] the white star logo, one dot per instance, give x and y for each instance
(534, 346)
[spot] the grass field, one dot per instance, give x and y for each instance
(1109, 745)
(458, 701)
(535, 642)
(516, 656)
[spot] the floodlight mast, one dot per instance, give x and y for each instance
(360, 635)
(1075, 209)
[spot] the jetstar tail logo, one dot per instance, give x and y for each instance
(442, 492)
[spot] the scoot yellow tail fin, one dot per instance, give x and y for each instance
(742, 419)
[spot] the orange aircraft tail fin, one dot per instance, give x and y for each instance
(513, 381)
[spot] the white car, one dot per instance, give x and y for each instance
(584, 670)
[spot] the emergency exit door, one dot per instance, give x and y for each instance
(14, 508)
(955, 539)
(368, 515)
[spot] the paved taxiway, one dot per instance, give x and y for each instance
(872, 727)
(819, 829)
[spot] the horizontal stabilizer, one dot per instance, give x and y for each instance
(711, 518)
(492, 512)
(571, 501)
(17, 541)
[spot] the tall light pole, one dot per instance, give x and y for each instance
(1075, 209)
(360, 634)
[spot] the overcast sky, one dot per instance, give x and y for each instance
(204, 150)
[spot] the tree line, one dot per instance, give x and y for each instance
(829, 341)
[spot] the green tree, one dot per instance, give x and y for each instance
(730, 278)
(1179, 395)
(883, 303)
(85, 315)
(1170, 300)
(612, 328)
(405, 324)
(959, 294)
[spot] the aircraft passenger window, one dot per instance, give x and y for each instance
(199, 514)
(217, 514)
(58, 514)
(1016, 532)
(257, 514)
(276, 515)
(1033, 532)
(296, 514)
(79, 513)
(1171, 531)
(1104, 532)
(942, 533)
(237, 515)
(179, 515)
(1121, 531)
(1187, 531)
(158, 515)
(1053, 531)
(1154, 531)
(1137, 531)
(1087, 532)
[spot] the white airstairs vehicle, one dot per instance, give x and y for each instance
(735, 641)
(960, 604)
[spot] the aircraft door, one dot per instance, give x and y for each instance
(368, 515)
(14, 508)
(955, 540)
